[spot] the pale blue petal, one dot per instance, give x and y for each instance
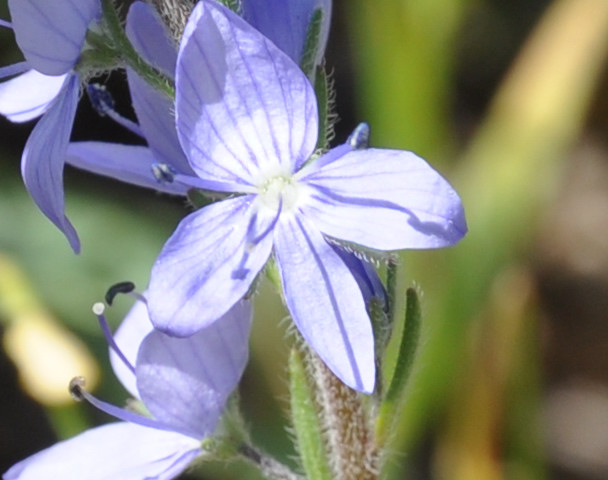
(243, 107)
(185, 382)
(155, 113)
(384, 199)
(286, 23)
(206, 266)
(117, 451)
(365, 274)
(29, 95)
(44, 156)
(129, 337)
(326, 303)
(150, 38)
(127, 163)
(51, 34)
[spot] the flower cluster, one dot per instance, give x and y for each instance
(228, 108)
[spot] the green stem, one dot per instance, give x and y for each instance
(403, 367)
(124, 49)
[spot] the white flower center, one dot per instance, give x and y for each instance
(280, 189)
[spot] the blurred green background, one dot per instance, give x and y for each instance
(509, 100)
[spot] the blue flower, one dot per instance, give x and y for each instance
(286, 22)
(133, 163)
(247, 121)
(51, 36)
(183, 383)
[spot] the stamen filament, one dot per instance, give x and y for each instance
(213, 185)
(79, 393)
(98, 310)
(253, 241)
(103, 103)
(14, 69)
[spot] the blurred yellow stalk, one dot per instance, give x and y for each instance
(45, 353)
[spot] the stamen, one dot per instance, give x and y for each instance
(213, 185)
(261, 236)
(98, 310)
(103, 103)
(14, 69)
(359, 139)
(76, 386)
(163, 173)
(120, 287)
(4, 23)
(79, 393)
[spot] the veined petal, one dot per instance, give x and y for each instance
(150, 38)
(206, 266)
(29, 95)
(129, 337)
(185, 382)
(118, 451)
(127, 163)
(51, 34)
(286, 23)
(155, 112)
(242, 105)
(326, 303)
(365, 274)
(155, 115)
(44, 156)
(384, 199)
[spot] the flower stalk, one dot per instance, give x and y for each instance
(127, 54)
(349, 439)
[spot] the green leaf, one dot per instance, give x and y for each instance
(403, 367)
(311, 47)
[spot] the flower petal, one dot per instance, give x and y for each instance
(384, 199)
(326, 303)
(44, 156)
(206, 267)
(129, 337)
(150, 38)
(242, 105)
(51, 34)
(118, 451)
(127, 163)
(185, 382)
(365, 274)
(155, 115)
(28, 96)
(154, 110)
(286, 23)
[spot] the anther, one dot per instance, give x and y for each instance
(120, 287)
(359, 139)
(103, 103)
(101, 99)
(98, 308)
(76, 386)
(163, 173)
